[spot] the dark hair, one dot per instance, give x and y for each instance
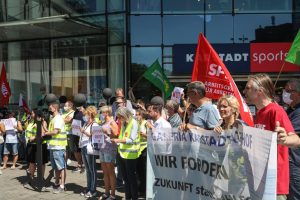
(197, 86)
(143, 113)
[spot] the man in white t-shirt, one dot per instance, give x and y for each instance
(57, 147)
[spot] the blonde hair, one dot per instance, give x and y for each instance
(91, 111)
(232, 102)
(106, 109)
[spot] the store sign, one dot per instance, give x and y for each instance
(234, 56)
(238, 58)
(269, 57)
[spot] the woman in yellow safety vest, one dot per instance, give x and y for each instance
(30, 134)
(128, 151)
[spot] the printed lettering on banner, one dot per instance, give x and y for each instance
(206, 165)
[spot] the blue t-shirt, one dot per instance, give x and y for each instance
(206, 116)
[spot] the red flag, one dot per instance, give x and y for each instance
(5, 89)
(22, 103)
(209, 68)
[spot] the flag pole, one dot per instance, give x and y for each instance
(279, 74)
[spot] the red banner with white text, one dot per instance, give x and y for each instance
(209, 68)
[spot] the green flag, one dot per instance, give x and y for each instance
(294, 52)
(157, 77)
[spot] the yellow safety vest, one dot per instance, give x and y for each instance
(68, 126)
(143, 141)
(129, 151)
(59, 139)
(30, 131)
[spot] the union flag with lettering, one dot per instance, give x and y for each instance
(5, 89)
(209, 68)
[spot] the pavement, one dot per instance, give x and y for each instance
(12, 185)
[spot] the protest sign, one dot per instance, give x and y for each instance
(238, 164)
(76, 125)
(98, 135)
(9, 123)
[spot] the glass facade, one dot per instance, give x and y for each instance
(64, 47)
(82, 46)
(157, 26)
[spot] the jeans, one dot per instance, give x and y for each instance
(90, 169)
(1, 152)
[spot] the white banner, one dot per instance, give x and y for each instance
(238, 164)
(9, 123)
(76, 125)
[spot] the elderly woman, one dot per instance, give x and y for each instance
(129, 146)
(88, 160)
(228, 107)
(174, 118)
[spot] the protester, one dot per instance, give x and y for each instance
(57, 147)
(228, 107)
(206, 115)
(30, 133)
(141, 116)
(173, 116)
(291, 96)
(88, 160)
(259, 91)
(120, 93)
(108, 151)
(11, 141)
(74, 141)
(2, 132)
(68, 114)
(128, 151)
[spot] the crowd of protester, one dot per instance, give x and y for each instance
(126, 125)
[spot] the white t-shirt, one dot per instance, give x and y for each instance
(58, 124)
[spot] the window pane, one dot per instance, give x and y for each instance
(76, 7)
(116, 29)
(180, 6)
(215, 25)
(27, 70)
(141, 59)
(262, 6)
(145, 30)
(79, 66)
(179, 29)
(217, 6)
(263, 28)
(116, 66)
(168, 60)
(116, 5)
(145, 6)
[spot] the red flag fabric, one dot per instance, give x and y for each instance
(22, 103)
(5, 89)
(209, 68)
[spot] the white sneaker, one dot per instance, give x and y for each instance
(69, 162)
